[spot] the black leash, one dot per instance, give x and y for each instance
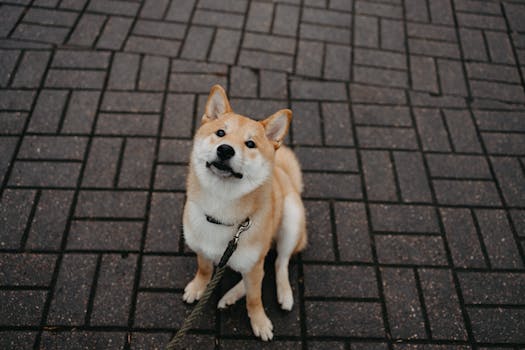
(219, 271)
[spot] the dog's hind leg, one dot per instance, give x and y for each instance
(233, 295)
(290, 238)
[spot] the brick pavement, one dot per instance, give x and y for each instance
(409, 123)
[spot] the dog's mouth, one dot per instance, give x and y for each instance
(223, 170)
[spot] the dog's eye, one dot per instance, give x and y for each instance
(250, 144)
(220, 133)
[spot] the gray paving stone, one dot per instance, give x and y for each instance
(197, 43)
(220, 19)
(154, 9)
(273, 85)
(178, 115)
(111, 204)
(376, 95)
(317, 90)
(320, 246)
(458, 166)
(47, 147)
(26, 269)
(80, 112)
(309, 58)
(31, 69)
(164, 231)
(117, 7)
(353, 238)
(378, 175)
(9, 18)
(83, 339)
(260, 17)
(160, 29)
(45, 174)
(225, 46)
(423, 74)
(466, 192)
(22, 307)
(410, 250)
(180, 10)
(87, 30)
(155, 46)
(170, 177)
(492, 288)
(286, 20)
(306, 126)
(8, 60)
(411, 174)
(336, 123)
(80, 59)
(432, 130)
(101, 165)
(497, 324)
(105, 235)
(134, 102)
(381, 137)
(48, 110)
(167, 272)
(332, 185)
(381, 115)
(17, 339)
(340, 281)
(329, 159)
(244, 82)
(75, 79)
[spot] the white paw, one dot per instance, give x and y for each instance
(262, 327)
(285, 296)
(193, 291)
(227, 300)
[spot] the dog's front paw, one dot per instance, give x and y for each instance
(262, 326)
(194, 290)
(285, 296)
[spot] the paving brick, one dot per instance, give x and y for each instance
(442, 304)
(70, 298)
(431, 129)
(332, 185)
(309, 58)
(134, 102)
(505, 92)
(160, 29)
(167, 272)
(9, 17)
(326, 17)
(477, 6)
(392, 35)
(270, 43)
(251, 345)
(164, 231)
(178, 115)
(184, 66)
(45, 174)
(462, 238)
(379, 115)
(40, 33)
(75, 79)
(166, 310)
(155, 46)
(114, 34)
(7, 149)
(175, 151)
(31, 69)
(12, 123)
(243, 82)
(379, 76)
(410, 250)
(254, 108)
(366, 32)
(197, 42)
(17, 339)
(87, 30)
(127, 124)
(260, 17)
(49, 223)
(326, 345)
(497, 236)
(329, 159)
(352, 232)
(466, 192)
(80, 112)
(115, 282)
(376, 95)
(171, 177)
(320, 240)
(286, 20)
(416, 10)
(83, 339)
(180, 10)
(22, 307)
(510, 178)
(404, 218)
(65, 147)
(263, 60)
(433, 48)
(413, 182)
(105, 235)
(379, 137)
(48, 110)
(153, 73)
(356, 319)
(473, 44)
(462, 131)
(380, 58)
(225, 46)
(124, 70)
(336, 122)
(16, 99)
(492, 72)
(500, 48)
(441, 11)
(80, 59)
(8, 60)
(431, 31)
(214, 18)
(403, 307)
(101, 165)
(511, 144)
(306, 126)
(514, 13)
(423, 74)
(423, 99)
(273, 85)
(137, 163)
(458, 166)
(378, 175)
(518, 219)
(498, 324)
(492, 288)
(481, 21)
(111, 204)
(197, 83)
(451, 77)
(318, 90)
(330, 34)
(340, 281)
(26, 269)
(406, 346)
(114, 7)
(154, 9)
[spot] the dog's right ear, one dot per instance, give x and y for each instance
(216, 105)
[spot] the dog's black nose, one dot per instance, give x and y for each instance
(225, 152)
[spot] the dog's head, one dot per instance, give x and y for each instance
(232, 154)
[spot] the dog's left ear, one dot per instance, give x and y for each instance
(216, 105)
(276, 126)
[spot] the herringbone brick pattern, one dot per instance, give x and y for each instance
(409, 124)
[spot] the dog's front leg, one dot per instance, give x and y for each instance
(196, 287)
(261, 325)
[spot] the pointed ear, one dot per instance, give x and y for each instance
(216, 104)
(276, 126)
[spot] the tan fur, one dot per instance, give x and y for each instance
(264, 204)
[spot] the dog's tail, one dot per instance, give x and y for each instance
(286, 160)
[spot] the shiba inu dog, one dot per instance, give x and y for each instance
(239, 170)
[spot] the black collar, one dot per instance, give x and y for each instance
(212, 220)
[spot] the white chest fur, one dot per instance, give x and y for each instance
(211, 239)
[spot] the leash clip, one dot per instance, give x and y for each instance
(242, 227)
